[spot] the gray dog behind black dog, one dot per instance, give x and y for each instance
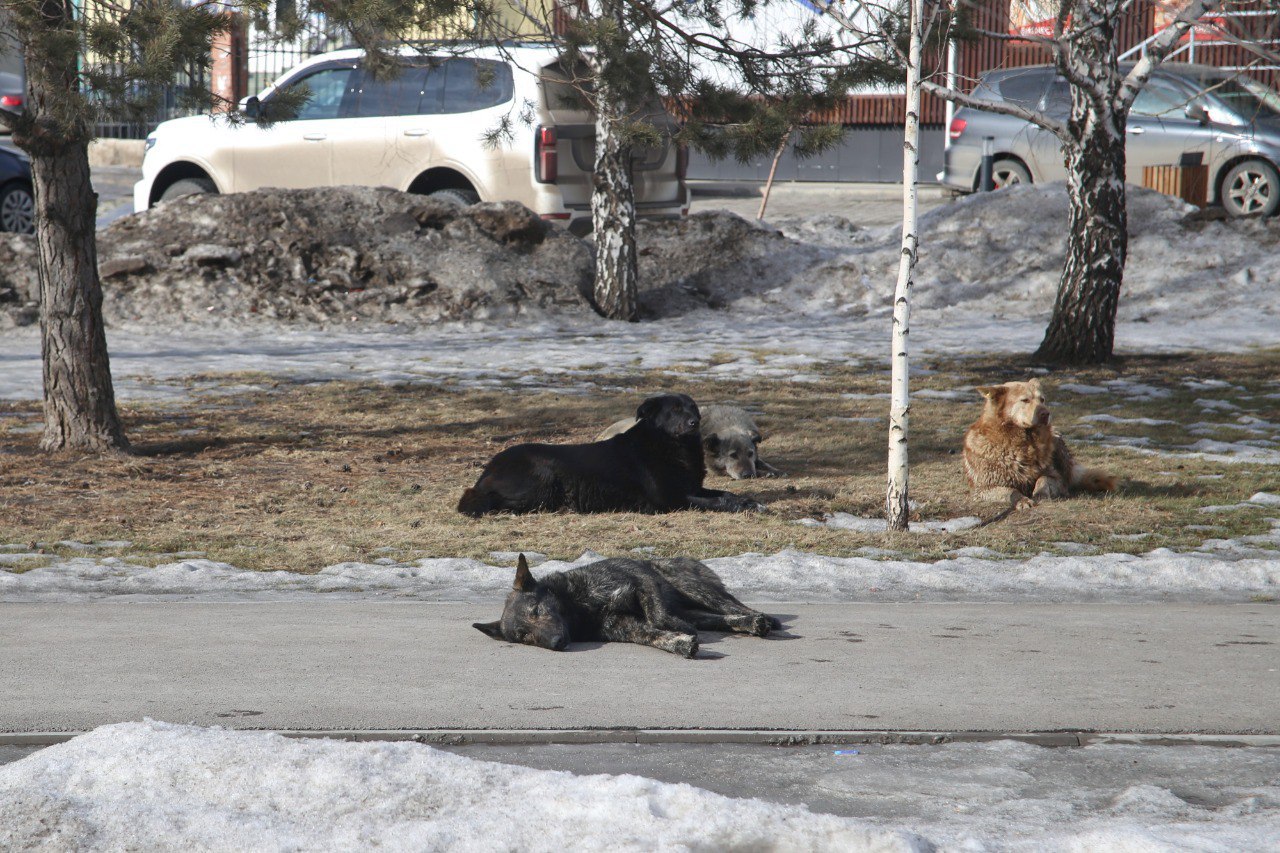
(661, 603)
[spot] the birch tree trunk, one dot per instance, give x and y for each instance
(897, 506)
(1082, 328)
(613, 198)
(79, 401)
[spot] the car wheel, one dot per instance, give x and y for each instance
(1006, 173)
(17, 209)
(188, 186)
(1251, 188)
(462, 198)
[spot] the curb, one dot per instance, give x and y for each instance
(761, 737)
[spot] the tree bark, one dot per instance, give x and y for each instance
(1082, 328)
(613, 219)
(79, 401)
(897, 495)
(613, 197)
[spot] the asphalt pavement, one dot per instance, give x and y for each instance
(376, 666)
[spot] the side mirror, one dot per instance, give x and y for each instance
(1197, 113)
(250, 106)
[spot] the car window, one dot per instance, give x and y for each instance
(400, 95)
(327, 87)
(474, 84)
(1023, 89)
(1057, 100)
(1159, 99)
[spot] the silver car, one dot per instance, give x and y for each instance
(1231, 121)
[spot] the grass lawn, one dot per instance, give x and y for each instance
(306, 475)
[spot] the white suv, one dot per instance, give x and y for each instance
(423, 131)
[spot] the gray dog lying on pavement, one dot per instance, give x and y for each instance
(661, 603)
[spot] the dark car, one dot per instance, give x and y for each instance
(17, 201)
(12, 92)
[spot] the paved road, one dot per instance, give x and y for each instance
(413, 665)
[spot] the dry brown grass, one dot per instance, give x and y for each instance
(302, 477)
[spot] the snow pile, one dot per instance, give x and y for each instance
(159, 786)
(322, 256)
(154, 785)
(1220, 570)
(986, 254)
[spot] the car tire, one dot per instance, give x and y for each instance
(188, 186)
(462, 198)
(18, 209)
(1251, 188)
(1006, 173)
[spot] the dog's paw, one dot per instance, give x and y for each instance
(685, 645)
(761, 625)
(1022, 503)
(749, 505)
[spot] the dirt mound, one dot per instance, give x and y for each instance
(322, 256)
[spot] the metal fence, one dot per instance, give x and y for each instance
(260, 58)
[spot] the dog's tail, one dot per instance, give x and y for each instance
(475, 503)
(1093, 480)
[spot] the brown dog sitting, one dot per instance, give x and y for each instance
(1012, 454)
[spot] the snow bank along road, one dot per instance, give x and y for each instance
(317, 665)
(156, 786)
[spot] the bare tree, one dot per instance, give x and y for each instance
(1086, 53)
(897, 503)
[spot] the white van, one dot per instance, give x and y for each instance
(423, 131)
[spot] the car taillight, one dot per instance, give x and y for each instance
(10, 101)
(957, 127)
(545, 161)
(682, 161)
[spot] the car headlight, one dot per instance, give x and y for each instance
(151, 143)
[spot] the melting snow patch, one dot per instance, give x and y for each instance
(1220, 570)
(158, 786)
(846, 521)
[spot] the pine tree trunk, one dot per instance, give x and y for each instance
(613, 198)
(897, 496)
(79, 401)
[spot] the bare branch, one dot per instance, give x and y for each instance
(1160, 47)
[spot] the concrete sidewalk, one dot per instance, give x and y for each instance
(329, 665)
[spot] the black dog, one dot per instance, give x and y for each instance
(656, 466)
(660, 603)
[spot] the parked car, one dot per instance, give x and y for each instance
(17, 200)
(12, 92)
(1230, 120)
(422, 131)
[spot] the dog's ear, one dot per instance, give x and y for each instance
(493, 629)
(649, 408)
(994, 393)
(756, 437)
(711, 443)
(524, 578)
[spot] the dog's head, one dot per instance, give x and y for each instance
(531, 615)
(733, 455)
(674, 414)
(1020, 403)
